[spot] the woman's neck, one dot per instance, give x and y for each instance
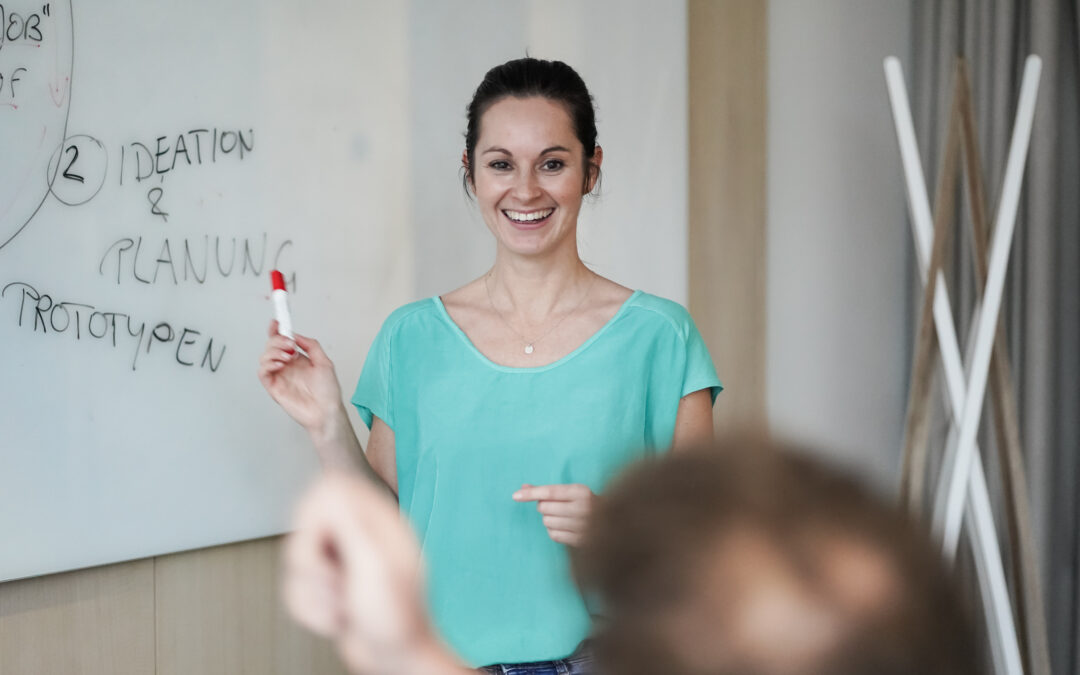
(533, 289)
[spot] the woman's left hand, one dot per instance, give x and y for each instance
(565, 509)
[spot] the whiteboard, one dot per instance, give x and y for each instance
(157, 159)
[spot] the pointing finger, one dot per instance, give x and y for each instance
(556, 492)
(565, 509)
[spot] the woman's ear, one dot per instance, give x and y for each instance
(470, 184)
(594, 169)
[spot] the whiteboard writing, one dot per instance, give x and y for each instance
(41, 313)
(157, 160)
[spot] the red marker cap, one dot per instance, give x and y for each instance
(277, 280)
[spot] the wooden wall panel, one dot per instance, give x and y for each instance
(727, 196)
(98, 621)
(219, 612)
(207, 612)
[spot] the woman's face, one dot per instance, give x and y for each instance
(530, 175)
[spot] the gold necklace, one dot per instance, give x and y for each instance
(530, 343)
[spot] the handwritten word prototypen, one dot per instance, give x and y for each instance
(44, 314)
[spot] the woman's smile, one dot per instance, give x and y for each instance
(528, 220)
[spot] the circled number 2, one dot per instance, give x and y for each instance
(77, 169)
(67, 172)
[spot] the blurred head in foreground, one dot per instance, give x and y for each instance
(749, 559)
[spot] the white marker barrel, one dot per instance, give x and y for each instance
(280, 298)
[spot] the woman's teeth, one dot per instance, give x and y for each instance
(521, 217)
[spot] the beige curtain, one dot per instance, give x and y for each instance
(1042, 303)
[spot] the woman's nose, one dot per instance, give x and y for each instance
(526, 186)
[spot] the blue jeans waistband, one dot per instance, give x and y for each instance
(578, 663)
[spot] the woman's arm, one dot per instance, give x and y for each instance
(694, 422)
(381, 453)
(338, 448)
(306, 387)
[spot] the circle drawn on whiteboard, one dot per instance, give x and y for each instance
(83, 163)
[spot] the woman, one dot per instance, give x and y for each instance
(499, 410)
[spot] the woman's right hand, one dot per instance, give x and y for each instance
(306, 387)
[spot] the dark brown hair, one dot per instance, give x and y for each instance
(682, 550)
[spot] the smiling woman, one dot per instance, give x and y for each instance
(498, 411)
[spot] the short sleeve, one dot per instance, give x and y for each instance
(700, 372)
(372, 395)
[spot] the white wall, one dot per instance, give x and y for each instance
(632, 56)
(838, 238)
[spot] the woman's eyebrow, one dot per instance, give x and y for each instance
(545, 151)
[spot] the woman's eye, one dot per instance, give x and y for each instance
(500, 165)
(553, 164)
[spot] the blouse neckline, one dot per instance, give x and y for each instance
(531, 369)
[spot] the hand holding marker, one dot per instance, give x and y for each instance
(296, 371)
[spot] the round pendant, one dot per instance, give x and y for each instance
(528, 349)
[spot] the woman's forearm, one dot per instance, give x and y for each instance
(338, 448)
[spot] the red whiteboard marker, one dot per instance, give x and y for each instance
(281, 304)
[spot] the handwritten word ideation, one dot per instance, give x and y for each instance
(196, 147)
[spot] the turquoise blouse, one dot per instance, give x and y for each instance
(469, 432)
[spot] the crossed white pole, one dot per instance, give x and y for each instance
(962, 488)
